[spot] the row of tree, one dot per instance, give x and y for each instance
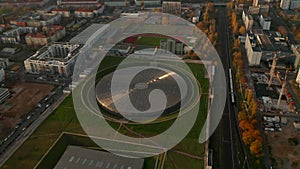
(238, 29)
(247, 115)
(248, 108)
(208, 24)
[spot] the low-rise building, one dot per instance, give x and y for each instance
(264, 8)
(77, 3)
(296, 51)
(172, 46)
(172, 7)
(248, 20)
(13, 36)
(4, 94)
(4, 62)
(49, 34)
(284, 120)
(262, 45)
(2, 74)
(265, 22)
(285, 4)
(298, 78)
(79, 157)
(55, 59)
(148, 3)
(296, 125)
(253, 10)
(62, 12)
(89, 12)
(84, 13)
(295, 4)
(37, 20)
(98, 10)
(115, 3)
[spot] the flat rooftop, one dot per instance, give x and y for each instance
(43, 53)
(270, 41)
(78, 158)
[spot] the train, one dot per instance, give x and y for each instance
(231, 86)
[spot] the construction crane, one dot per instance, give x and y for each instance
(282, 88)
(273, 67)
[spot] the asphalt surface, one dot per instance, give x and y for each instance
(279, 21)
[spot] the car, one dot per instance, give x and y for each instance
(24, 128)
(28, 117)
(10, 134)
(39, 105)
(269, 129)
(46, 99)
(277, 126)
(47, 105)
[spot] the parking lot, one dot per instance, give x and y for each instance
(17, 107)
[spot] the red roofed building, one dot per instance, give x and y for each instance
(49, 34)
(89, 12)
(62, 12)
(84, 13)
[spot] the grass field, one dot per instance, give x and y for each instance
(150, 41)
(64, 119)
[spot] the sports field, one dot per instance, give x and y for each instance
(187, 154)
(149, 41)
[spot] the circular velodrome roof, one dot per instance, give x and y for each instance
(139, 90)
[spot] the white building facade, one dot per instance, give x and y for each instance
(254, 53)
(265, 22)
(298, 78)
(55, 59)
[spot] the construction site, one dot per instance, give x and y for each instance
(278, 112)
